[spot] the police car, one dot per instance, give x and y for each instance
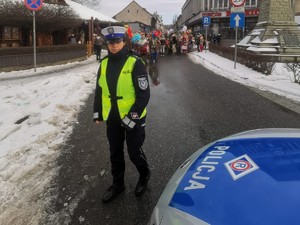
(250, 178)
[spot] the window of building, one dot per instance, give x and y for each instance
(251, 3)
(254, 3)
(11, 33)
(215, 4)
(221, 4)
(206, 5)
(226, 4)
(210, 4)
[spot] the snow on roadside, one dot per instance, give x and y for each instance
(37, 115)
(278, 82)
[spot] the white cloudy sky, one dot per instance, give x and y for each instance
(167, 8)
(48, 101)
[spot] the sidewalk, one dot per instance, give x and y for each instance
(277, 86)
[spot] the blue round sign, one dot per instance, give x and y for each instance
(34, 5)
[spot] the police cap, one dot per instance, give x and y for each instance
(113, 32)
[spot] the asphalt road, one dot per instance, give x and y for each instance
(189, 108)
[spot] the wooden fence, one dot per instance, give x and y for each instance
(22, 57)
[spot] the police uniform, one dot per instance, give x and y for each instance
(121, 96)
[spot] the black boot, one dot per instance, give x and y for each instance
(112, 192)
(142, 184)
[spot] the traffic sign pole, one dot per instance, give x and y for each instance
(237, 20)
(206, 43)
(34, 5)
(235, 50)
(34, 42)
(206, 21)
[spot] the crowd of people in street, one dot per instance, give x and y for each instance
(150, 45)
(161, 43)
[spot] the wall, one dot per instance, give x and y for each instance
(133, 13)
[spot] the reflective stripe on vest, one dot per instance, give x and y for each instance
(125, 89)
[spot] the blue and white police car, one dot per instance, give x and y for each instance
(250, 178)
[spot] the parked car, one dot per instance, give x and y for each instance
(250, 178)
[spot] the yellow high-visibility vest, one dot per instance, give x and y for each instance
(125, 89)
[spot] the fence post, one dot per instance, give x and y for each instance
(89, 48)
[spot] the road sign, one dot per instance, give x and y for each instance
(34, 5)
(206, 21)
(237, 20)
(238, 3)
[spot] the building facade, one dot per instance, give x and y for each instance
(219, 11)
(137, 17)
(55, 22)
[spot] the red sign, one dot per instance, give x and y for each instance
(251, 12)
(212, 14)
(248, 12)
(238, 3)
(34, 5)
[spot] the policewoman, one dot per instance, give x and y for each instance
(121, 96)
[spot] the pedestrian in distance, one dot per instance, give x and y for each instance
(98, 46)
(154, 45)
(174, 43)
(198, 42)
(168, 46)
(218, 39)
(144, 50)
(72, 39)
(214, 38)
(121, 96)
(162, 46)
(201, 44)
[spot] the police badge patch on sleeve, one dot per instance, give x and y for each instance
(143, 83)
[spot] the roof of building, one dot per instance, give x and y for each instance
(83, 12)
(86, 13)
(133, 2)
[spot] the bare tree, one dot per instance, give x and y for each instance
(51, 16)
(294, 68)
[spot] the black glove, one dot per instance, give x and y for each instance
(127, 123)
